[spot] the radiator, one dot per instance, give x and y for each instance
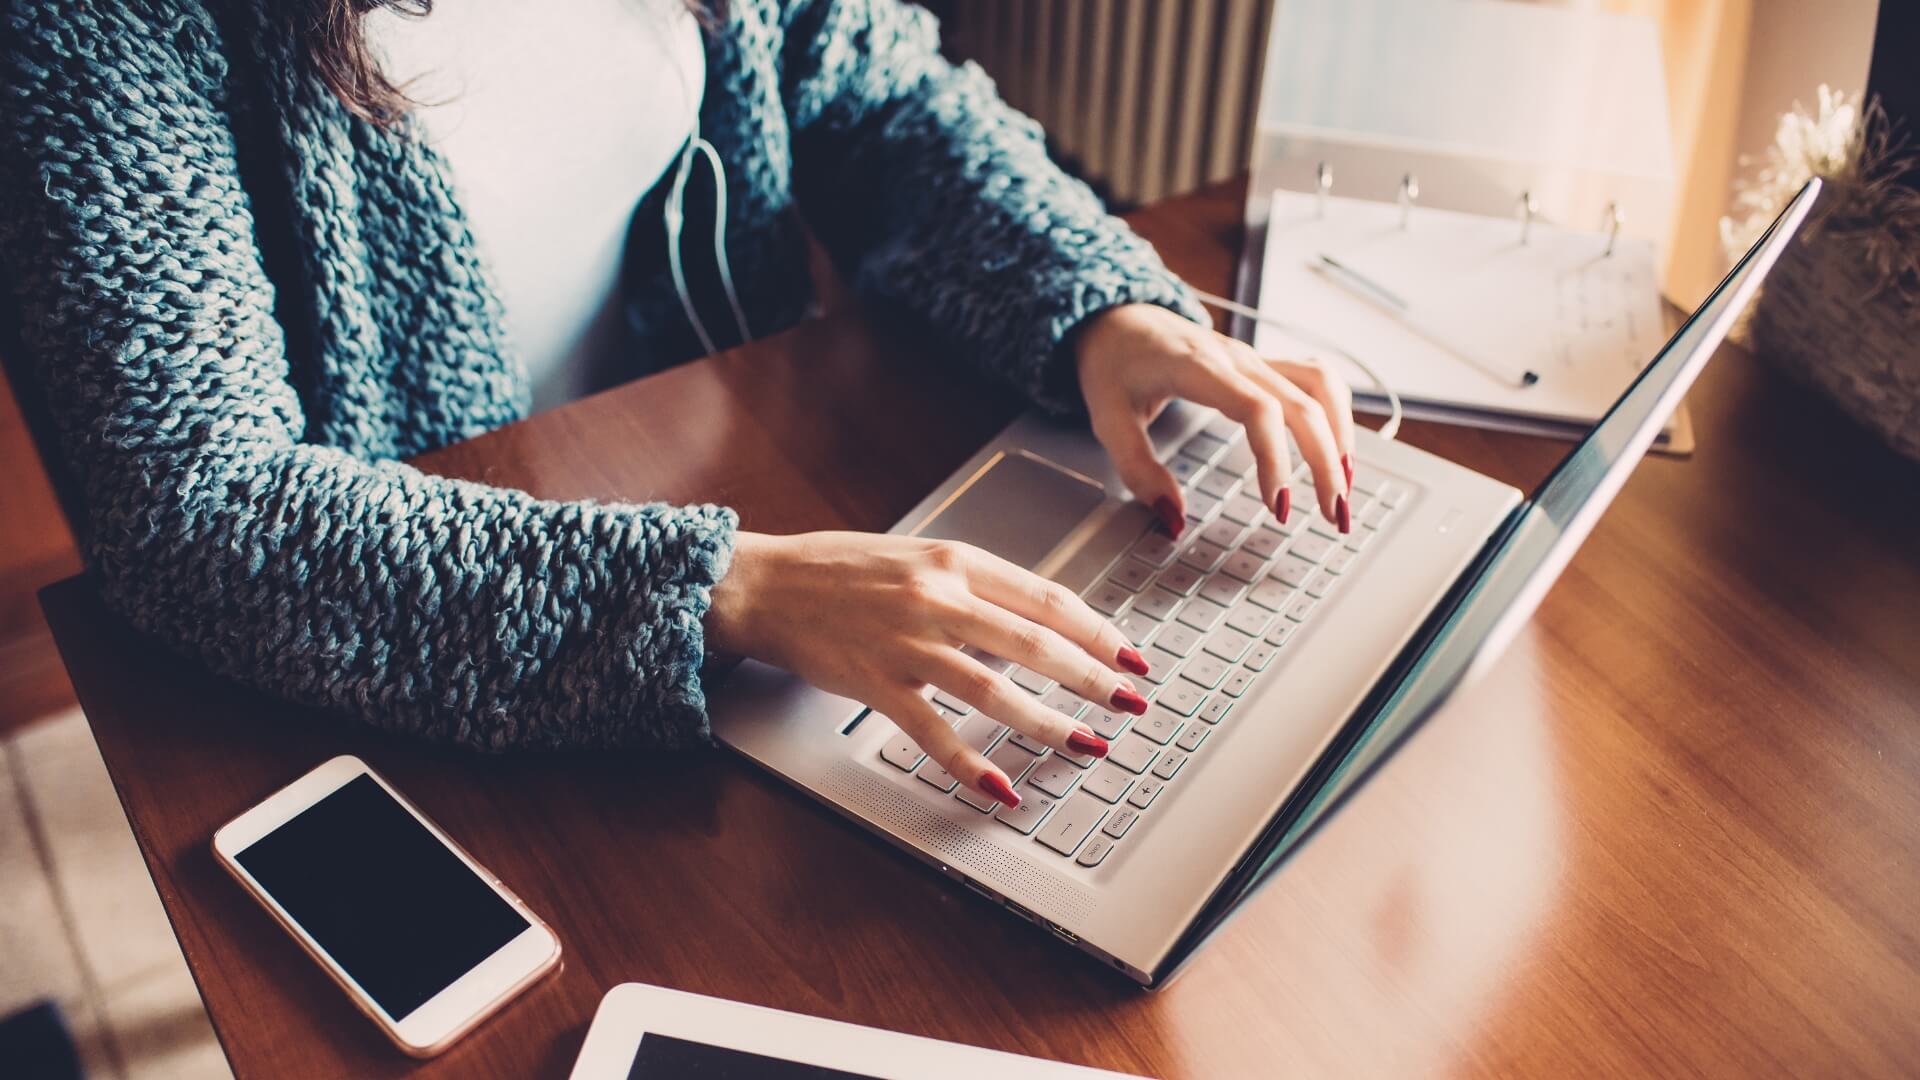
(1145, 98)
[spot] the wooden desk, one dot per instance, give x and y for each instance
(1678, 831)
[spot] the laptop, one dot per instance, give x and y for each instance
(1288, 661)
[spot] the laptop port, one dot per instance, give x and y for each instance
(1020, 911)
(1064, 934)
(982, 890)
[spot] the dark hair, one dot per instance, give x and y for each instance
(335, 37)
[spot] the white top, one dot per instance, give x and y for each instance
(556, 118)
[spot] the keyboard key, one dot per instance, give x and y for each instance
(1311, 548)
(1181, 578)
(983, 803)
(1229, 644)
(980, 732)
(1238, 459)
(1392, 493)
(1182, 697)
(1132, 575)
(1243, 509)
(1326, 530)
(1321, 584)
(1204, 448)
(1245, 567)
(1065, 702)
(1279, 635)
(1095, 852)
(1201, 506)
(1026, 742)
(901, 752)
(1120, 821)
(1237, 683)
(1169, 764)
(1180, 638)
(1137, 628)
(1107, 723)
(1264, 543)
(1029, 680)
(1185, 470)
(1191, 738)
(1133, 753)
(1204, 556)
(1339, 561)
(1026, 817)
(1157, 603)
(1109, 598)
(1159, 725)
(1223, 428)
(1216, 710)
(1082, 761)
(933, 774)
(1070, 823)
(1250, 620)
(1376, 516)
(1302, 608)
(1012, 760)
(1160, 665)
(1272, 594)
(1203, 669)
(1109, 783)
(1366, 479)
(1054, 776)
(1361, 537)
(1202, 614)
(1156, 549)
(1217, 483)
(1292, 571)
(1222, 589)
(1260, 656)
(952, 704)
(1144, 792)
(1222, 532)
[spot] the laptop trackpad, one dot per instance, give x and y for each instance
(1020, 508)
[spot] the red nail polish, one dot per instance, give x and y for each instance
(1346, 462)
(1283, 505)
(1086, 742)
(1170, 516)
(1131, 660)
(1343, 513)
(997, 787)
(1126, 700)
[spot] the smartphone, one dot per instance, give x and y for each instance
(424, 940)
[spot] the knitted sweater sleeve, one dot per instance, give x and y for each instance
(451, 610)
(933, 194)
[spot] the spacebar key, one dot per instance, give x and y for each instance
(1071, 823)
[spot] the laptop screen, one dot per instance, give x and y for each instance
(1501, 591)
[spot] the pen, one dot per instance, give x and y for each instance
(1380, 296)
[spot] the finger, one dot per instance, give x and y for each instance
(1308, 421)
(997, 696)
(917, 717)
(1038, 600)
(1334, 396)
(1243, 400)
(1004, 634)
(1124, 434)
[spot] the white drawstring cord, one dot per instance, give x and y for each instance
(1387, 430)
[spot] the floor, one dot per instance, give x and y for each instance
(79, 919)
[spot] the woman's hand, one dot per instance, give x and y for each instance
(1135, 358)
(881, 618)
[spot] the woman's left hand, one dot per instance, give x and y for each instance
(1136, 358)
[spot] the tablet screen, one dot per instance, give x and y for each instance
(663, 1057)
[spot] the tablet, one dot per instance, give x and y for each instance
(646, 1033)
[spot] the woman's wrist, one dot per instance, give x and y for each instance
(731, 613)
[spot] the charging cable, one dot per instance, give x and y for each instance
(1387, 430)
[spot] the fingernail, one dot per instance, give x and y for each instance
(1283, 505)
(1126, 700)
(1170, 516)
(1086, 742)
(996, 785)
(1130, 660)
(1343, 513)
(1346, 462)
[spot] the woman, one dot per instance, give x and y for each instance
(248, 288)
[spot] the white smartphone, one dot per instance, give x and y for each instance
(424, 940)
(646, 1032)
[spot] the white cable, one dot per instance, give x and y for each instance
(1387, 430)
(676, 217)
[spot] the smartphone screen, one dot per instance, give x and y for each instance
(381, 895)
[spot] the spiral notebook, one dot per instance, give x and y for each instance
(1454, 309)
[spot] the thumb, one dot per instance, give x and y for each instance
(1125, 437)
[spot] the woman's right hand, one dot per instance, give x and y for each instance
(881, 618)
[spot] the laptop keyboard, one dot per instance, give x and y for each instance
(1210, 612)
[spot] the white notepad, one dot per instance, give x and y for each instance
(1559, 305)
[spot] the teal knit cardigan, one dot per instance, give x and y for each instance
(244, 305)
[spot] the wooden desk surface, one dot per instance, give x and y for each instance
(1678, 830)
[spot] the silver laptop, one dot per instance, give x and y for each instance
(1288, 660)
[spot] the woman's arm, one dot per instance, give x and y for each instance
(448, 609)
(930, 192)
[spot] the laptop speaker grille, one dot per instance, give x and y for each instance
(1047, 894)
